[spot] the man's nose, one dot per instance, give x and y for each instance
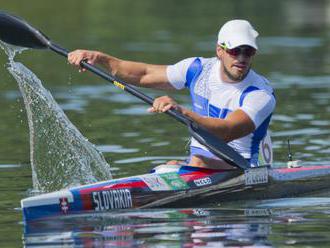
(242, 57)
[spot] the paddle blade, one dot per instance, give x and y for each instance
(16, 31)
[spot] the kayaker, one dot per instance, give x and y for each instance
(228, 98)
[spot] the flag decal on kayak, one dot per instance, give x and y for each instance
(64, 205)
(164, 181)
(174, 181)
(155, 182)
(255, 176)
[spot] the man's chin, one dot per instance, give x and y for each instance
(237, 76)
(240, 76)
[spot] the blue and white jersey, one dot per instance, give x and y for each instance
(214, 98)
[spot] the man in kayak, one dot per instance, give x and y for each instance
(229, 99)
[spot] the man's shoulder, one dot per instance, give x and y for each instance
(208, 60)
(203, 60)
(258, 77)
(188, 61)
(260, 81)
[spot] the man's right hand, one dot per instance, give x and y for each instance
(75, 57)
(163, 104)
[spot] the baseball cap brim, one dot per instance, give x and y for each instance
(240, 40)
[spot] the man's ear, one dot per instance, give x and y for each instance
(219, 52)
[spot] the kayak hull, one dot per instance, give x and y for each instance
(182, 186)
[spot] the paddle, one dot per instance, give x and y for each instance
(16, 31)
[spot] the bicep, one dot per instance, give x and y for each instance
(142, 74)
(155, 76)
(166, 76)
(239, 124)
(258, 105)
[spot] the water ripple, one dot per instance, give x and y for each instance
(289, 42)
(285, 81)
(146, 158)
(5, 166)
(301, 131)
(116, 149)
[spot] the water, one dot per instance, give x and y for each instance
(252, 226)
(60, 156)
(294, 55)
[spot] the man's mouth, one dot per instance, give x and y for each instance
(240, 66)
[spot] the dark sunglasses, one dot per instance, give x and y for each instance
(246, 51)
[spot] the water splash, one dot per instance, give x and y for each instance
(61, 156)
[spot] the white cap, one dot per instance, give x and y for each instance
(236, 33)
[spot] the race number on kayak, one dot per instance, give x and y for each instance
(255, 176)
(266, 151)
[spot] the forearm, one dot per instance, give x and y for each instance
(131, 72)
(136, 73)
(217, 127)
(233, 127)
(236, 125)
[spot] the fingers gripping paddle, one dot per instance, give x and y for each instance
(16, 31)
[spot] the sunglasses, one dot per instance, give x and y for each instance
(246, 51)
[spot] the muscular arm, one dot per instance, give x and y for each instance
(237, 124)
(136, 73)
(257, 107)
(142, 74)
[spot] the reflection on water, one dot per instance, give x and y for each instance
(253, 226)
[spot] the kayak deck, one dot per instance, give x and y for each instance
(182, 186)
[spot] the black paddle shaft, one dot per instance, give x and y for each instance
(117, 82)
(16, 31)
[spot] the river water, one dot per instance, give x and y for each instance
(294, 55)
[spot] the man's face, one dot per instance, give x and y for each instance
(236, 62)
